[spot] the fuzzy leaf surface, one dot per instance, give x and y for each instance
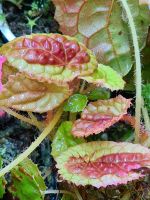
(76, 103)
(27, 183)
(105, 76)
(24, 94)
(99, 115)
(49, 57)
(64, 139)
(103, 163)
(102, 27)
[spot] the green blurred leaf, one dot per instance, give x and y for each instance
(106, 32)
(2, 183)
(27, 183)
(105, 76)
(64, 139)
(76, 103)
(99, 93)
(67, 197)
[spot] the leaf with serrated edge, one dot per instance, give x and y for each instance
(102, 27)
(27, 183)
(103, 163)
(24, 94)
(76, 103)
(2, 183)
(64, 139)
(99, 115)
(106, 77)
(49, 57)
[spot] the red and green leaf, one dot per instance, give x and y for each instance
(99, 115)
(49, 57)
(25, 94)
(99, 25)
(103, 163)
(2, 60)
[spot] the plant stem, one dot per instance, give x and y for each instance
(138, 78)
(58, 192)
(39, 125)
(34, 145)
(77, 193)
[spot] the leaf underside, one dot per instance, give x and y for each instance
(99, 115)
(103, 163)
(102, 27)
(24, 94)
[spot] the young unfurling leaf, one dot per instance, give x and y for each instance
(25, 94)
(64, 139)
(49, 57)
(27, 183)
(103, 28)
(76, 103)
(99, 115)
(2, 183)
(103, 163)
(105, 76)
(99, 93)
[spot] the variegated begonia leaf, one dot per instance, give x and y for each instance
(27, 182)
(103, 27)
(76, 103)
(49, 57)
(2, 182)
(64, 139)
(103, 163)
(25, 94)
(105, 76)
(99, 115)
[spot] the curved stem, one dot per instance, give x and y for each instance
(34, 145)
(138, 79)
(59, 192)
(39, 125)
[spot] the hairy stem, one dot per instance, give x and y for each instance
(79, 197)
(138, 78)
(34, 145)
(39, 125)
(59, 192)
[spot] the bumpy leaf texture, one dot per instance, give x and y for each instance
(102, 27)
(103, 163)
(25, 94)
(99, 115)
(49, 57)
(27, 183)
(64, 139)
(105, 76)
(2, 183)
